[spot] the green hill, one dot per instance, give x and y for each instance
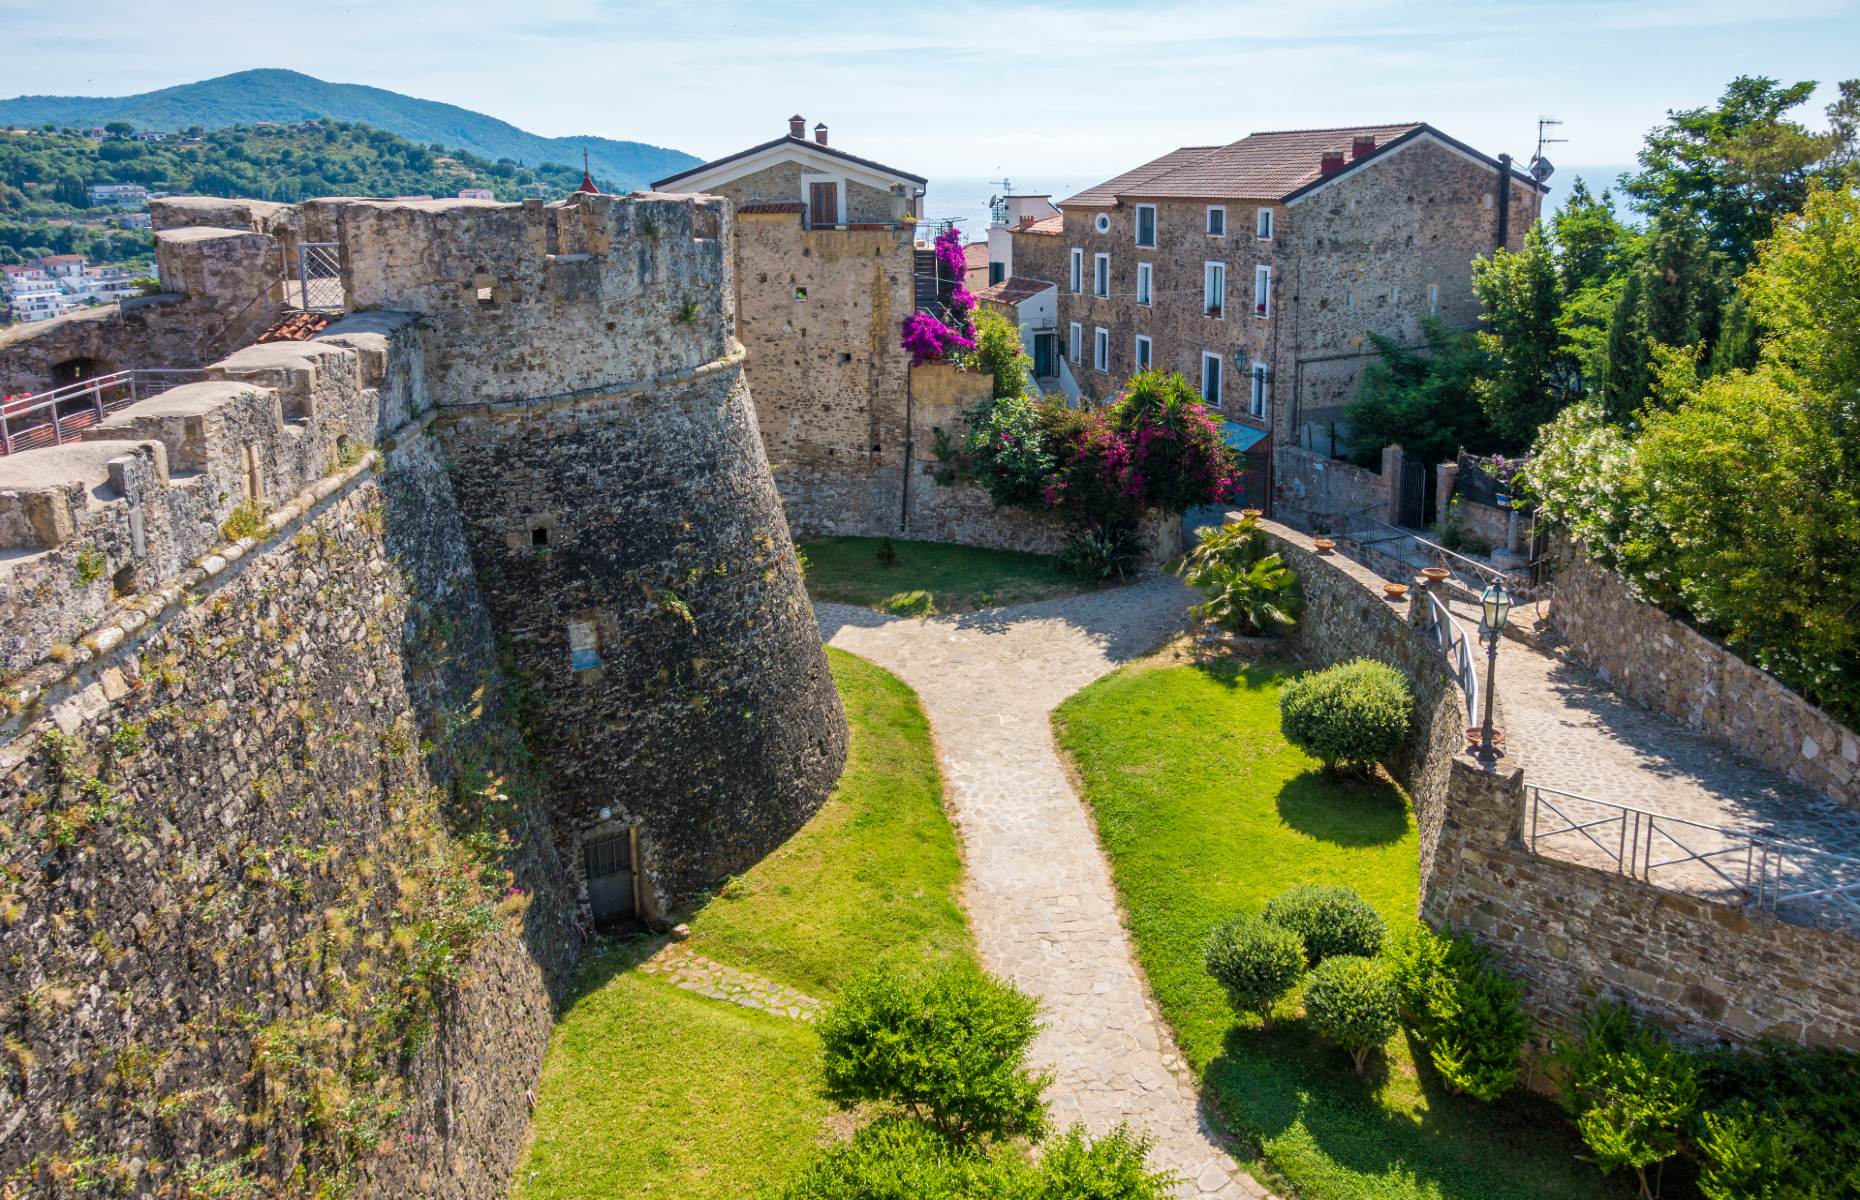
(247, 97)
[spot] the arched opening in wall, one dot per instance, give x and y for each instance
(78, 370)
(610, 863)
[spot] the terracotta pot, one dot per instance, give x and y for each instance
(1395, 591)
(1475, 735)
(1437, 574)
(1324, 545)
(1252, 514)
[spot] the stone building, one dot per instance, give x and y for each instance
(1259, 268)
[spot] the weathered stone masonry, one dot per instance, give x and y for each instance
(252, 790)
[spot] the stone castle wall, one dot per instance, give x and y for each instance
(1707, 971)
(263, 768)
(1668, 666)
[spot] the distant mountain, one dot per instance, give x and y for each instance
(246, 97)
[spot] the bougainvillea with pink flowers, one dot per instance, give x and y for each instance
(929, 337)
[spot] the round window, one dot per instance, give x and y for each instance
(1103, 223)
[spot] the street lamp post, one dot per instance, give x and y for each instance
(1494, 608)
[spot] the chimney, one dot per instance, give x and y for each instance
(1331, 163)
(797, 126)
(820, 134)
(1362, 145)
(1504, 201)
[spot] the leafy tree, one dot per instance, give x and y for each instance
(1589, 240)
(1631, 1091)
(1330, 921)
(946, 1047)
(71, 190)
(119, 129)
(1256, 962)
(1425, 401)
(1740, 165)
(1351, 715)
(1532, 372)
(1350, 1000)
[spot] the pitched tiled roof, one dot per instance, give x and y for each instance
(795, 208)
(1052, 225)
(975, 255)
(1105, 193)
(1013, 290)
(1276, 165)
(796, 143)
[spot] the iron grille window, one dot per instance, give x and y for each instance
(609, 856)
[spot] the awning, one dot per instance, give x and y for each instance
(1242, 437)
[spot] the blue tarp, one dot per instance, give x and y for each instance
(1242, 437)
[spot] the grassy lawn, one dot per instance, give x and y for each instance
(953, 579)
(650, 1090)
(1206, 812)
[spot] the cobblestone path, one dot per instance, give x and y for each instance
(1038, 892)
(1570, 733)
(680, 966)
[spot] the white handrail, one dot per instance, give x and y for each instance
(104, 393)
(1451, 635)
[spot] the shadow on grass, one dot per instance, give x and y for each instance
(1236, 673)
(1301, 1103)
(608, 958)
(1344, 810)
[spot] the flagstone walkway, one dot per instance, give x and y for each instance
(1038, 891)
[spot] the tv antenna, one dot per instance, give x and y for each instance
(997, 204)
(1541, 168)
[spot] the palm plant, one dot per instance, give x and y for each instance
(1256, 599)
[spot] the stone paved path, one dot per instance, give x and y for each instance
(682, 967)
(1570, 733)
(1038, 892)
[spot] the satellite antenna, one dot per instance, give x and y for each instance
(997, 204)
(1541, 167)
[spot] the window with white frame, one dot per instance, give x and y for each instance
(1217, 220)
(1143, 356)
(1078, 271)
(1101, 274)
(1100, 349)
(1256, 403)
(1262, 223)
(1433, 299)
(1213, 287)
(1102, 222)
(1146, 280)
(1075, 336)
(1211, 378)
(1262, 290)
(1146, 224)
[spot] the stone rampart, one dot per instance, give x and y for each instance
(1706, 970)
(286, 871)
(1666, 665)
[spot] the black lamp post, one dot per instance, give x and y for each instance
(1494, 608)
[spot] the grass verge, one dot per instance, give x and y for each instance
(928, 577)
(653, 1091)
(1206, 812)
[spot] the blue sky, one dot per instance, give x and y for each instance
(975, 89)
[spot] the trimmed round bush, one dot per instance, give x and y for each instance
(1257, 962)
(1350, 1000)
(1328, 920)
(1350, 716)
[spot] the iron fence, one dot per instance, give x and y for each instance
(1752, 868)
(58, 416)
(319, 277)
(1446, 631)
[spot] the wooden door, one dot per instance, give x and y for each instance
(823, 204)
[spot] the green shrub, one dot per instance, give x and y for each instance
(1103, 553)
(1074, 1166)
(247, 520)
(1469, 1013)
(1352, 715)
(1329, 921)
(946, 1047)
(1257, 962)
(1350, 1000)
(1782, 1122)
(910, 604)
(1631, 1091)
(1249, 590)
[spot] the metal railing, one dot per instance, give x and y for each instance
(1758, 869)
(54, 417)
(1518, 586)
(1446, 631)
(319, 277)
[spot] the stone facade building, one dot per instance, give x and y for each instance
(1259, 268)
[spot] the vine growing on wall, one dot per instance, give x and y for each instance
(929, 337)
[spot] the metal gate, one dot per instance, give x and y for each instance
(612, 881)
(1416, 494)
(318, 285)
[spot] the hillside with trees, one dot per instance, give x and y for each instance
(290, 97)
(45, 177)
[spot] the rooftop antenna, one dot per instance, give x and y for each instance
(1541, 168)
(997, 204)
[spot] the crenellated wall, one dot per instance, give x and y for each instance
(302, 739)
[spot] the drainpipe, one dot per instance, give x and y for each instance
(1504, 200)
(910, 423)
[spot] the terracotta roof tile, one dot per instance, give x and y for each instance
(975, 255)
(296, 327)
(1044, 225)
(795, 208)
(1014, 290)
(1260, 166)
(1107, 192)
